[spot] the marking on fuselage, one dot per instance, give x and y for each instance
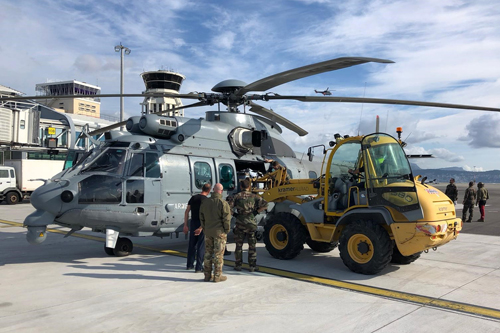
(349, 286)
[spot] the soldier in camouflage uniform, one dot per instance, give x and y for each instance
(469, 199)
(215, 217)
(247, 205)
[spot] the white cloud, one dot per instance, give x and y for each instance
(446, 155)
(474, 168)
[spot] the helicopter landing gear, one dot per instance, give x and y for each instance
(109, 250)
(123, 247)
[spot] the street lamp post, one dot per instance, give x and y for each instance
(120, 48)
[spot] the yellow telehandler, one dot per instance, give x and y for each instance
(366, 201)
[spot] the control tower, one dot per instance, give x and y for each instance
(162, 81)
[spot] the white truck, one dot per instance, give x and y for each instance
(19, 178)
(8, 186)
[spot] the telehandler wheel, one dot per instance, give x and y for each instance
(109, 250)
(123, 247)
(398, 258)
(321, 247)
(12, 198)
(365, 247)
(284, 236)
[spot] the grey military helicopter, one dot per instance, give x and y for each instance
(138, 182)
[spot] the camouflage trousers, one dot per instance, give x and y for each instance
(214, 254)
(240, 231)
(468, 206)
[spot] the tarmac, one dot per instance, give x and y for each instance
(70, 284)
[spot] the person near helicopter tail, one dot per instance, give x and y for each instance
(482, 196)
(215, 217)
(247, 205)
(469, 199)
(452, 191)
(196, 247)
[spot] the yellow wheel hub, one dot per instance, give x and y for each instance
(278, 236)
(360, 248)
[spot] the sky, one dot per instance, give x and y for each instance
(444, 51)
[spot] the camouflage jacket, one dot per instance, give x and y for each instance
(482, 195)
(452, 192)
(247, 204)
(215, 216)
(470, 196)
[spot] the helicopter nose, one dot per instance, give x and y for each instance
(48, 198)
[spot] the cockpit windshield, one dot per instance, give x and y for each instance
(389, 162)
(112, 160)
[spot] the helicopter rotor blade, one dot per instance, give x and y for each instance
(122, 123)
(21, 98)
(305, 71)
(273, 116)
(380, 101)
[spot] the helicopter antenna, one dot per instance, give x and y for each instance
(386, 121)
(302, 157)
(362, 104)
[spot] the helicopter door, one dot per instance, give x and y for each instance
(202, 172)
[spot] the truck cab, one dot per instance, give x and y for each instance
(8, 186)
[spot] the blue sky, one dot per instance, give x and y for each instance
(444, 51)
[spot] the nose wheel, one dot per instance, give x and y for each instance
(123, 248)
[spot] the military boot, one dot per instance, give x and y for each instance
(208, 277)
(480, 220)
(253, 269)
(221, 278)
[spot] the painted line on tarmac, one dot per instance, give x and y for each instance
(349, 286)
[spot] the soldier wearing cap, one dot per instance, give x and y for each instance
(247, 205)
(469, 199)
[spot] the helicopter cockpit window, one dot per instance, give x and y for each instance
(112, 161)
(136, 168)
(202, 174)
(226, 176)
(100, 189)
(152, 165)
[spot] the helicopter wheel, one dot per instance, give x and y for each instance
(123, 247)
(109, 250)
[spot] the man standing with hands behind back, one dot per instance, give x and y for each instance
(196, 248)
(215, 217)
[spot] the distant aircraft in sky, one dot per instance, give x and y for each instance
(324, 92)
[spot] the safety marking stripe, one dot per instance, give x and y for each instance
(387, 293)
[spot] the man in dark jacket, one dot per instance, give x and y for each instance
(452, 191)
(469, 199)
(215, 217)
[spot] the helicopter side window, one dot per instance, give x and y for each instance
(226, 176)
(152, 165)
(136, 166)
(100, 189)
(313, 175)
(135, 191)
(202, 174)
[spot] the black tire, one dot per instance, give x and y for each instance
(109, 250)
(398, 258)
(284, 236)
(123, 247)
(321, 247)
(365, 247)
(12, 198)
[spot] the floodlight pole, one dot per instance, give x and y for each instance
(120, 48)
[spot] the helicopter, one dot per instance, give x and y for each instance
(326, 92)
(138, 182)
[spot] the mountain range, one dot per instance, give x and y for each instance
(443, 175)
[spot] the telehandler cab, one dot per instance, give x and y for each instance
(367, 201)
